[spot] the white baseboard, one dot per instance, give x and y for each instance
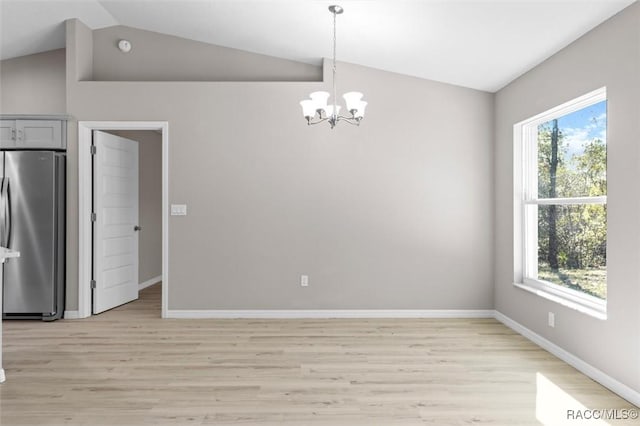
(71, 315)
(149, 283)
(2, 376)
(587, 369)
(329, 313)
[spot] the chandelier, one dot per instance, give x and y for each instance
(316, 110)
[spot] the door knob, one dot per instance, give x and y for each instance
(137, 228)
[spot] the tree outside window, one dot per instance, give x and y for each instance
(572, 238)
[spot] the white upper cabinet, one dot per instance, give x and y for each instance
(39, 134)
(32, 134)
(7, 133)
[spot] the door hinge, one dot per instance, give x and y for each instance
(94, 217)
(93, 150)
(93, 283)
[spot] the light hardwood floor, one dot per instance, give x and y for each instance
(129, 367)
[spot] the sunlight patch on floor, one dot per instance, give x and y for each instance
(554, 406)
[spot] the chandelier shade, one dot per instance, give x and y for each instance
(320, 100)
(308, 108)
(318, 109)
(355, 104)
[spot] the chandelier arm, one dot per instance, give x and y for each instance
(310, 122)
(351, 120)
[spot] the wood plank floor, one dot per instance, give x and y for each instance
(129, 367)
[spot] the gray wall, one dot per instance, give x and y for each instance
(33, 84)
(161, 57)
(150, 201)
(397, 213)
(607, 56)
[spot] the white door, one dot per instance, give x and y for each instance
(115, 236)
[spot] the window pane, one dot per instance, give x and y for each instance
(572, 247)
(572, 154)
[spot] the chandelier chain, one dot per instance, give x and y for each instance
(335, 111)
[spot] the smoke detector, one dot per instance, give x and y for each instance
(124, 46)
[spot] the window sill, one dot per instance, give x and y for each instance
(595, 308)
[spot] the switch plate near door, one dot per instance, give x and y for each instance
(178, 209)
(304, 280)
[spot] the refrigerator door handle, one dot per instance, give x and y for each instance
(3, 214)
(8, 213)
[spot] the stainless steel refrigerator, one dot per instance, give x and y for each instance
(32, 221)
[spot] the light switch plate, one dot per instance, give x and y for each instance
(178, 209)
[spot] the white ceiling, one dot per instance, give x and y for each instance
(473, 43)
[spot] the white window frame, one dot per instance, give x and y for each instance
(525, 160)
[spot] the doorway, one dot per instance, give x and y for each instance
(86, 204)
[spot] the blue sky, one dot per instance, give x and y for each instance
(583, 126)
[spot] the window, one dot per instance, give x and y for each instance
(561, 203)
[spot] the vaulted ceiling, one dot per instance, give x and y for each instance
(473, 43)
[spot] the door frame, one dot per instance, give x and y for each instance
(85, 190)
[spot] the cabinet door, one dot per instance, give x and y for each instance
(7, 133)
(41, 134)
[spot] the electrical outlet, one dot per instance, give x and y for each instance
(552, 319)
(178, 209)
(304, 280)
